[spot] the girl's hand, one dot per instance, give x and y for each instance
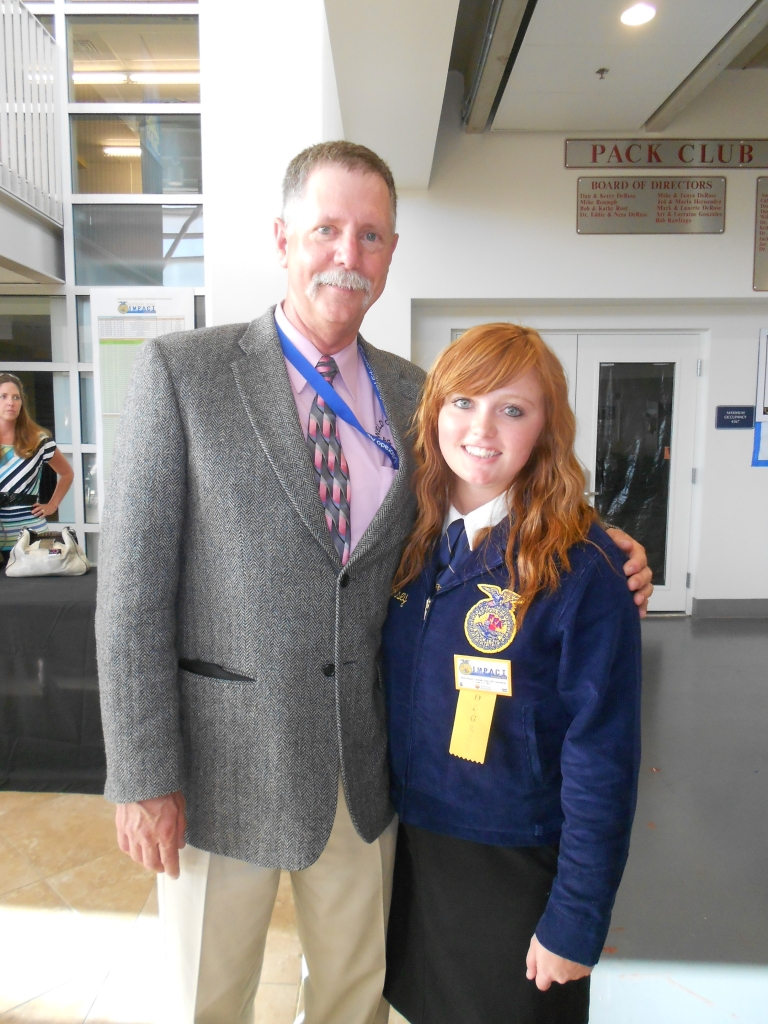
(545, 967)
(44, 510)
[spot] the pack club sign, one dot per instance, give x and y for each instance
(644, 153)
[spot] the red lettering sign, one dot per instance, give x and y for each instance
(745, 153)
(628, 154)
(682, 149)
(653, 153)
(615, 153)
(597, 150)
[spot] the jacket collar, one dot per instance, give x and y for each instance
(392, 523)
(262, 382)
(486, 557)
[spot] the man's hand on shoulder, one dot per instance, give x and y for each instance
(636, 568)
(152, 832)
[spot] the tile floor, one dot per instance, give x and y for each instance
(79, 925)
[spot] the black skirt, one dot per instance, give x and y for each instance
(461, 923)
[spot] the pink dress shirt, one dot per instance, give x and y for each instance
(370, 471)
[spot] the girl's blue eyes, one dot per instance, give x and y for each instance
(513, 411)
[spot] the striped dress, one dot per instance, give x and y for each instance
(22, 476)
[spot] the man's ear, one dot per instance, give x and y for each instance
(281, 241)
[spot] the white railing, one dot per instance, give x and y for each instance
(30, 168)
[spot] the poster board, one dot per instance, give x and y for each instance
(122, 319)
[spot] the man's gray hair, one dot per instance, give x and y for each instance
(343, 154)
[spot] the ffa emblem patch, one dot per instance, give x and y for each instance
(490, 625)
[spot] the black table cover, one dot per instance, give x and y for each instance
(50, 724)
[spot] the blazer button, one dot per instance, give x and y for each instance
(344, 580)
(329, 669)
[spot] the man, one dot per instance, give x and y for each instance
(247, 554)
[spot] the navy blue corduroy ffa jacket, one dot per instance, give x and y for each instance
(564, 750)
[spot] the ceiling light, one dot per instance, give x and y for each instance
(165, 77)
(134, 151)
(99, 78)
(638, 14)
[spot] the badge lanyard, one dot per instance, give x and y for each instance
(332, 398)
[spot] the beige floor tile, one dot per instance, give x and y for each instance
(282, 955)
(150, 907)
(275, 1004)
(37, 896)
(67, 1004)
(15, 870)
(282, 958)
(284, 914)
(36, 929)
(62, 833)
(132, 992)
(111, 884)
(10, 800)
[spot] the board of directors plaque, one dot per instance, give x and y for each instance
(760, 280)
(671, 205)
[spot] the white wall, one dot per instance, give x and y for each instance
(495, 234)
(268, 91)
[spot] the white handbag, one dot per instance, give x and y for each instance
(47, 554)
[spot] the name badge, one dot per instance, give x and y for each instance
(479, 682)
(490, 675)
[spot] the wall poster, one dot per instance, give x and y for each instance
(122, 319)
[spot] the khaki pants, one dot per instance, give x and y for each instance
(216, 915)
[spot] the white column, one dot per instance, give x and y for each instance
(268, 90)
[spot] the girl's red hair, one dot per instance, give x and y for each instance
(548, 511)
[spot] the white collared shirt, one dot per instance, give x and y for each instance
(489, 514)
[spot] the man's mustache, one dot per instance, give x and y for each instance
(340, 279)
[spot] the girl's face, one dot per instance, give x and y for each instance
(487, 439)
(10, 402)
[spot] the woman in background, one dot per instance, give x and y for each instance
(511, 656)
(25, 447)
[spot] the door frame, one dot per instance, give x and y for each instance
(650, 346)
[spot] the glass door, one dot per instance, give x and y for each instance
(635, 407)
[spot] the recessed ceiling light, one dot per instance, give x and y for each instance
(134, 151)
(638, 14)
(99, 78)
(165, 77)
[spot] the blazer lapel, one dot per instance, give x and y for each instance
(265, 391)
(391, 524)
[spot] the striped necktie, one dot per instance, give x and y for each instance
(331, 470)
(453, 550)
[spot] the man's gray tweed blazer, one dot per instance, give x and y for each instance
(215, 549)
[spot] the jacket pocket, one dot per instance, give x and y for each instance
(209, 670)
(532, 745)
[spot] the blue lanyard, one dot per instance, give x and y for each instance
(332, 398)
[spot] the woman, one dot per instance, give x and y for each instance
(24, 448)
(511, 657)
